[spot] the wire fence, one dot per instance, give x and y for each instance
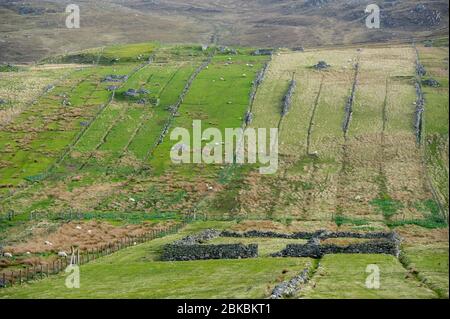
(11, 278)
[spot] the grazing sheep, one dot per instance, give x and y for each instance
(78, 227)
(8, 255)
(48, 243)
(62, 254)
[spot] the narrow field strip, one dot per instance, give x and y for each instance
(176, 106)
(345, 276)
(428, 265)
(102, 110)
(312, 118)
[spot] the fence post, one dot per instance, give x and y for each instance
(4, 279)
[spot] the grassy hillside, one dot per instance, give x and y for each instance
(84, 142)
(31, 31)
(136, 272)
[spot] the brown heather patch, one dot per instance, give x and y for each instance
(93, 234)
(130, 160)
(4, 163)
(83, 197)
(76, 154)
(58, 66)
(413, 235)
(344, 241)
(303, 226)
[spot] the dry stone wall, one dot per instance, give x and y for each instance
(195, 247)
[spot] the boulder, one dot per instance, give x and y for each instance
(143, 91)
(321, 65)
(115, 78)
(131, 93)
(263, 52)
(431, 82)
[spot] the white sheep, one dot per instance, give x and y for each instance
(62, 254)
(48, 243)
(8, 255)
(78, 227)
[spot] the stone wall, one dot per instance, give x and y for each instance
(195, 247)
(289, 288)
(321, 234)
(197, 252)
(316, 250)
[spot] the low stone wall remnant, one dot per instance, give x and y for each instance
(290, 287)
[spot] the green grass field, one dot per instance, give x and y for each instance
(140, 274)
(344, 276)
(85, 145)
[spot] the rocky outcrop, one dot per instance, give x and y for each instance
(420, 15)
(431, 82)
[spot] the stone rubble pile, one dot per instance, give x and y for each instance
(287, 99)
(431, 82)
(290, 288)
(321, 65)
(115, 78)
